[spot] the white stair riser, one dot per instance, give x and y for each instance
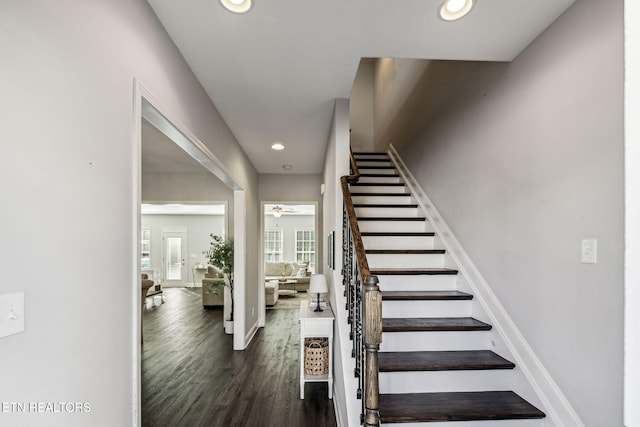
(445, 381)
(413, 309)
(371, 199)
(378, 179)
(492, 423)
(398, 242)
(435, 341)
(373, 163)
(397, 189)
(406, 261)
(383, 171)
(422, 282)
(387, 212)
(398, 226)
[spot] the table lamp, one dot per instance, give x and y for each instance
(318, 285)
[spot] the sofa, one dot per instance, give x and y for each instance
(297, 271)
(213, 276)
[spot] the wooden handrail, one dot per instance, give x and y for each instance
(368, 318)
(355, 230)
(355, 172)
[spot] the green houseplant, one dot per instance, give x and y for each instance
(220, 255)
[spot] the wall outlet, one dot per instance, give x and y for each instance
(589, 251)
(11, 314)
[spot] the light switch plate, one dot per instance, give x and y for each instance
(589, 251)
(11, 314)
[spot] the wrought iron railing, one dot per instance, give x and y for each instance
(364, 304)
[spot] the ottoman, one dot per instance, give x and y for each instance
(271, 292)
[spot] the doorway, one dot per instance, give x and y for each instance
(174, 266)
(148, 110)
(289, 248)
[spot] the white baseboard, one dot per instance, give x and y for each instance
(558, 409)
(250, 334)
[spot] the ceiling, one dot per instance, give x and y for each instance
(274, 72)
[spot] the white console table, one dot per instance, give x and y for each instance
(316, 324)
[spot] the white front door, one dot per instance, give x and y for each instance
(174, 249)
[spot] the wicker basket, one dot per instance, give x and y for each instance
(316, 356)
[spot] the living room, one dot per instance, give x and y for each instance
(289, 249)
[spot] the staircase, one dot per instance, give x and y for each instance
(435, 364)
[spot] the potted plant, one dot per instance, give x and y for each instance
(220, 255)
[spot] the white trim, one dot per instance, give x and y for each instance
(136, 223)
(632, 215)
(557, 407)
(239, 270)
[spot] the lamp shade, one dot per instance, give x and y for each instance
(318, 284)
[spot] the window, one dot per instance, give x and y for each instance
(306, 246)
(273, 246)
(145, 249)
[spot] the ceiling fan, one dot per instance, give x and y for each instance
(277, 211)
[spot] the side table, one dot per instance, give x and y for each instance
(316, 324)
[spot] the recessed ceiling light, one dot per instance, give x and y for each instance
(277, 146)
(287, 167)
(455, 9)
(237, 6)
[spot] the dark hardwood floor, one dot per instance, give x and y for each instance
(192, 377)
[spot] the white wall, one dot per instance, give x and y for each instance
(67, 83)
(361, 105)
(523, 160)
(395, 81)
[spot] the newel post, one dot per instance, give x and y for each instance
(372, 339)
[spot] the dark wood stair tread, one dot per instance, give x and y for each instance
(382, 194)
(398, 233)
(413, 271)
(425, 295)
(405, 251)
(376, 167)
(380, 175)
(378, 184)
(433, 324)
(458, 406)
(384, 205)
(441, 361)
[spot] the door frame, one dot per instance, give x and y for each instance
(632, 217)
(184, 234)
(147, 106)
(262, 306)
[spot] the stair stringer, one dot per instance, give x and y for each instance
(533, 382)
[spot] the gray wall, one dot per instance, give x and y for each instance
(67, 84)
(290, 187)
(184, 187)
(525, 159)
